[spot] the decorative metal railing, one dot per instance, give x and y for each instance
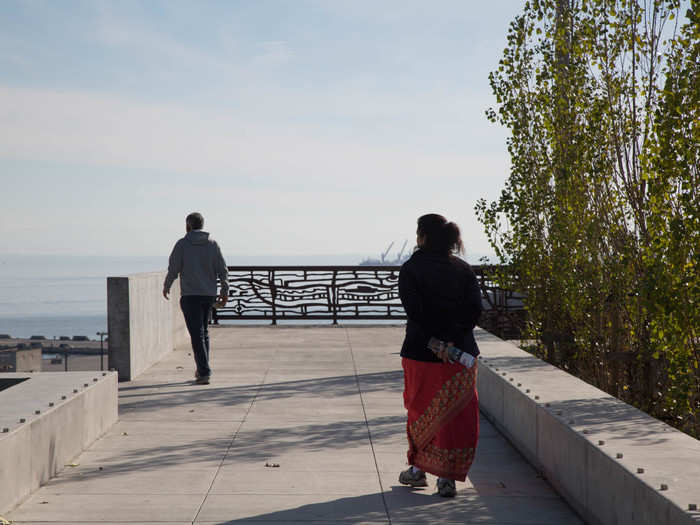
(504, 310)
(338, 293)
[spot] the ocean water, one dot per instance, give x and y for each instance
(62, 295)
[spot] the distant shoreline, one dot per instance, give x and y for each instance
(50, 326)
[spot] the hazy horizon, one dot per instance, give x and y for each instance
(55, 295)
(471, 256)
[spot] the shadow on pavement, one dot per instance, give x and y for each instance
(249, 446)
(133, 399)
(405, 505)
(356, 509)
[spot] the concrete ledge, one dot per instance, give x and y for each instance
(143, 327)
(588, 444)
(74, 409)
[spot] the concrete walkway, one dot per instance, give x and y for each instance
(299, 425)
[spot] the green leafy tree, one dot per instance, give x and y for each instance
(673, 167)
(599, 98)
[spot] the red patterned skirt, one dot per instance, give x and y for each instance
(443, 417)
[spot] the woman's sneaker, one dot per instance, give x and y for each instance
(446, 488)
(415, 479)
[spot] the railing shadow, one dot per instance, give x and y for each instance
(616, 419)
(261, 444)
(249, 446)
(132, 400)
(306, 436)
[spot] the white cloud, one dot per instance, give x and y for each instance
(83, 128)
(265, 189)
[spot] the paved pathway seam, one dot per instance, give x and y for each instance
(369, 431)
(233, 439)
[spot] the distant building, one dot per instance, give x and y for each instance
(22, 359)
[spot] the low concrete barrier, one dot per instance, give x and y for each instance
(143, 327)
(45, 422)
(613, 463)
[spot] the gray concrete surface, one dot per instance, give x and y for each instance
(143, 327)
(322, 403)
(47, 420)
(588, 444)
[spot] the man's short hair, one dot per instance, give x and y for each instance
(195, 221)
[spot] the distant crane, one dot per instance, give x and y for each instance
(383, 256)
(383, 260)
(398, 257)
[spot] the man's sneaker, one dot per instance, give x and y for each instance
(202, 380)
(415, 479)
(446, 488)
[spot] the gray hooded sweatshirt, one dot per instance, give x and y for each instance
(198, 261)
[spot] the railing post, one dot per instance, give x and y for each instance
(273, 294)
(334, 297)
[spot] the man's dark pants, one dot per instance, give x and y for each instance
(196, 309)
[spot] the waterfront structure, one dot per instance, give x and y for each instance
(21, 358)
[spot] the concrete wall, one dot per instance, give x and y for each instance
(20, 360)
(143, 327)
(28, 360)
(611, 462)
(45, 422)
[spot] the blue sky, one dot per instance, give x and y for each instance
(295, 127)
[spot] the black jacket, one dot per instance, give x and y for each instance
(442, 299)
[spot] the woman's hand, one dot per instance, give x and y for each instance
(443, 354)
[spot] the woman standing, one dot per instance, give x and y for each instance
(442, 299)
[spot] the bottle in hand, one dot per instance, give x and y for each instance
(455, 354)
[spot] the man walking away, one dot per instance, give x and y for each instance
(198, 261)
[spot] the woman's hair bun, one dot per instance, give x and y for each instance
(440, 235)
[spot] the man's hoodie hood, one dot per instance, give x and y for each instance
(197, 237)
